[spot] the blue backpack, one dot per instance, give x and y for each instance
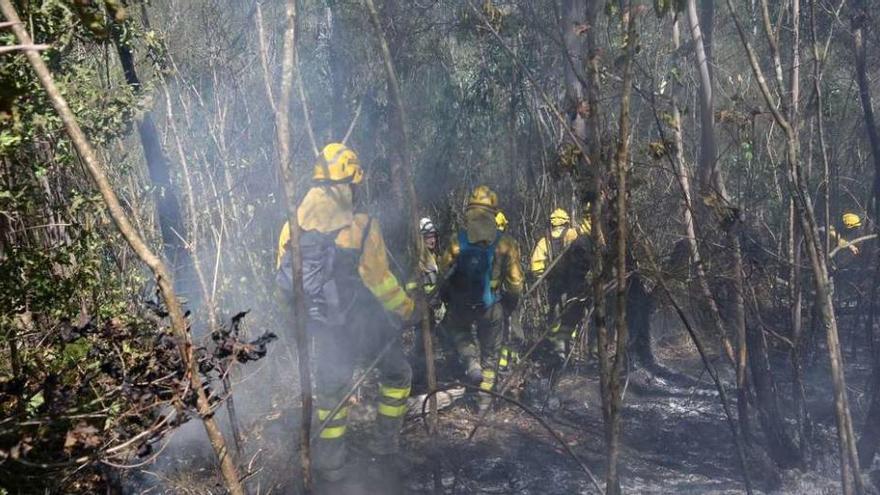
(473, 271)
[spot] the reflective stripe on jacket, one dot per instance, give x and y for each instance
(324, 209)
(541, 254)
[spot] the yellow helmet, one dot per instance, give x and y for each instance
(851, 221)
(485, 197)
(501, 221)
(336, 163)
(559, 217)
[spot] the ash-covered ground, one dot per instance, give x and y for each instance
(675, 436)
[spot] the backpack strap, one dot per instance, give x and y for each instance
(366, 233)
(498, 235)
(491, 296)
(463, 241)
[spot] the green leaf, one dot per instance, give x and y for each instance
(8, 140)
(35, 403)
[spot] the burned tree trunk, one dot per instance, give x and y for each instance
(337, 68)
(860, 26)
(709, 178)
(289, 176)
(708, 173)
(167, 203)
(780, 446)
(640, 305)
(742, 346)
(404, 183)
(576, 107)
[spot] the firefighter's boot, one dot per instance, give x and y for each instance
(389, 420)
(330, 448)
(504, 361)
(474, 371)
(484, 400)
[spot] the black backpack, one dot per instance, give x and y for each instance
(329, 275)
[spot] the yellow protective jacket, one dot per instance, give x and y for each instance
(541, 254)
(840, 241)
(328, 208)
(429, 271)
(507, 272)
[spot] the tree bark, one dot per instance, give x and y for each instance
(779, 444)
(576, 107)
(640, 305)
(404, 179)
(742, 346)
(707, 26)
(708, 173)
(163, 277)
(289, 176)
(613, 369)
(797, 329)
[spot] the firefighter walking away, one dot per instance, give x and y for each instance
(348, 286)
(485, 282)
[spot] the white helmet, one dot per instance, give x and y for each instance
(426, 226)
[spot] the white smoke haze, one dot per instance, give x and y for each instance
(225, 140)
(219, 98)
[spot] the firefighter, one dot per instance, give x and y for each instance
(566, 284)
(509, 348)
(485, 282)
(561, 236)
(429, 278)
(851, 223)
(428, 261)
(348, 286)
(585, 227)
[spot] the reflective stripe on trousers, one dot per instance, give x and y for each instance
(337, 426)
(508, 357)
(488, 379)
(392, 401)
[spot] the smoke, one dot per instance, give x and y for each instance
(222, 113)
(223, 154)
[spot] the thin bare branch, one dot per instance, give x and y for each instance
(97, 171)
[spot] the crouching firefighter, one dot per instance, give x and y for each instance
(486, 276)
(348, 286)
